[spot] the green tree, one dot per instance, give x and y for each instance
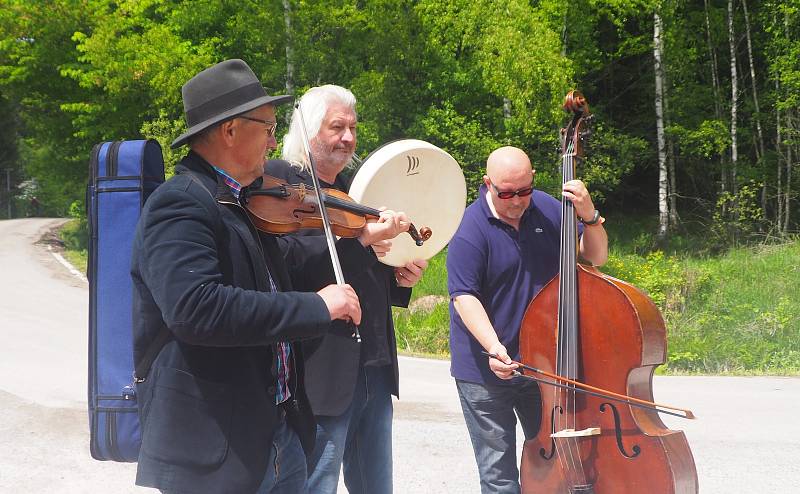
(35, 41)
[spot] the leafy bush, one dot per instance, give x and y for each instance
(737, 216)
(660, 276)
(75, 233)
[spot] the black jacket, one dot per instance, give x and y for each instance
(207, 406)
(332, 361)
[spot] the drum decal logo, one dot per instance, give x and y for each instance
(413, 164)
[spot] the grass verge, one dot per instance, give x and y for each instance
(74, 234)
(739, 315)
(732, 313)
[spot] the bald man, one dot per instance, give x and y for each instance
(505, 250)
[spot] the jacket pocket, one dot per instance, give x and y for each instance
(188, 420)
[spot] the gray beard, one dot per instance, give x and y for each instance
(323, 159)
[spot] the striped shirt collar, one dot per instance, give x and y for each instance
(236, 187)
(283, 348)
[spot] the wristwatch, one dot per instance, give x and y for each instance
(595, 219)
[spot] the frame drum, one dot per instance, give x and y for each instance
(421, 180)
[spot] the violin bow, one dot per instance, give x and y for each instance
(600, 392)
(326, 222)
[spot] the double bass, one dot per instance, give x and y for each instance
(585, 327)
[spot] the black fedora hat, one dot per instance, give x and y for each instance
(219, 93)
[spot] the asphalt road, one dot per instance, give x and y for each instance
(746, 438)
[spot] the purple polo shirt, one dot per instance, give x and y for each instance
(503, 268)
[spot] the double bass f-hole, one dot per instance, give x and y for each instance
(618, 432)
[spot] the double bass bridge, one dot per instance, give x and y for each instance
(566, 433)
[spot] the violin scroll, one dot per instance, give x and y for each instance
(421, 236)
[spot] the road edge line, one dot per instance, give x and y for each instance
(67, 265)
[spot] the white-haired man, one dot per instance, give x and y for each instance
(349, 384)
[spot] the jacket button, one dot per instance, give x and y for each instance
(271, 390)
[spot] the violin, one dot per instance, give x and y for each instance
(587, 328)
(279, 208)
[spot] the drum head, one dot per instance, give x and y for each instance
(421, 180)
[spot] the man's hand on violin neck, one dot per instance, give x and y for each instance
(342, 302)
(389, 225)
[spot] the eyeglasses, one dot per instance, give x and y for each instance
(508, 194)
(271, 126)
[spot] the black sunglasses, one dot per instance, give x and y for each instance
(508, 194)
(271, 126)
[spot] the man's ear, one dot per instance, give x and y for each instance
(227, 132)
(486, 180)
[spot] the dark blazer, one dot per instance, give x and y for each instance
(207, 406)
(332, 361)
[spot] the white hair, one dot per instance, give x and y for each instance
(314, 104)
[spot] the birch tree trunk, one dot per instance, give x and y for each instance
(714, 69)
(671, 173)
(717, 93)
(734, 97)
(791, 131)
(779, 171)
(787, 194)
(663, 207)
(759, 133)
(672, 188)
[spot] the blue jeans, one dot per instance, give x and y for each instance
(489, 413)
(286, 467)
(360, 439)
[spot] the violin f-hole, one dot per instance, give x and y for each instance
(299, 212)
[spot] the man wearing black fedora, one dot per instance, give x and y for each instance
(222, 403)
